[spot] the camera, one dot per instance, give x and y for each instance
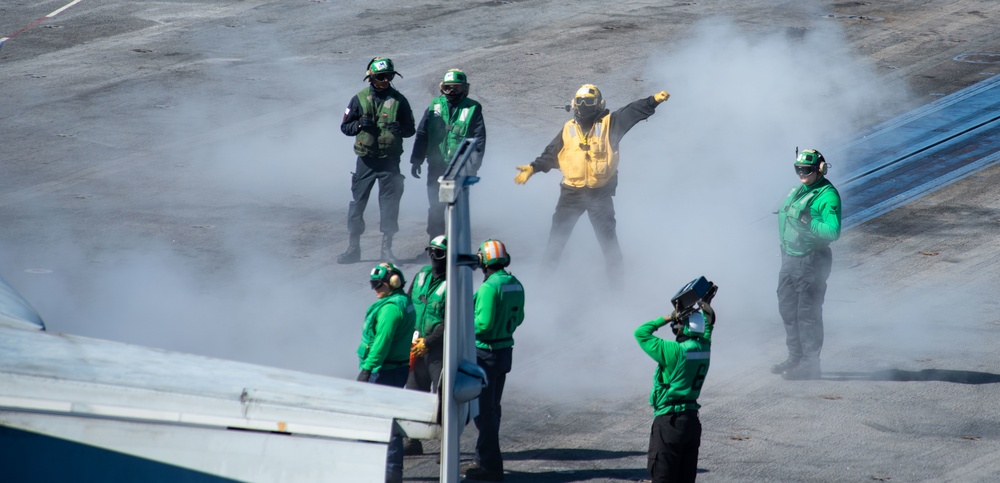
(695, 291)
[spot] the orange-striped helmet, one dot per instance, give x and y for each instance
(493, 252)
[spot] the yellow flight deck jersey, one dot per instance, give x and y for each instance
(587, 159)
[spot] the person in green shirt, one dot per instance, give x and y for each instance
(450, 119)
(384, 351)
(682, 365)
(807, 223)
(428, 292)
(499, 310)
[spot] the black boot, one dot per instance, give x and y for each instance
(789, 363)
(353, 252)
(387, 255)
(807, 370)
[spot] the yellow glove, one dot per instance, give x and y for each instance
(419, 349)
(525, 172)
(661, 96)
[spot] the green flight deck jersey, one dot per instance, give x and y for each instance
(681, 366)
(387, 333)
(499, 303)
(810, 218)
(428, 296)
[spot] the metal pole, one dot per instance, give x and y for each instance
(459, 333)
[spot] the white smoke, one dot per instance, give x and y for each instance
(698, 184)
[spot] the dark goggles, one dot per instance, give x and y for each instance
(436, 253)
(452, 88)
(384, 76)
(804, 170)
(376, 284)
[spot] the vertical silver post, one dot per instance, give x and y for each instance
(459, 332)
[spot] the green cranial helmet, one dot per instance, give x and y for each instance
(454, 85)
(454, 76)
(386, 273)
(493, 252)
(809, 157)
(695, 326)
(439, 242)
(380, 65)
(437, 248)
(691, 326)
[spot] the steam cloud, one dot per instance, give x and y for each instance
(698, 184)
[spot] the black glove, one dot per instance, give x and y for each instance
(365, 121)
(711, 294)
(415, 171)
(393, 127)
(364, 375)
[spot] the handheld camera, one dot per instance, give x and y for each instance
(687, 298)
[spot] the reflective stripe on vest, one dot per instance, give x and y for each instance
(586, 159)
(455, 130)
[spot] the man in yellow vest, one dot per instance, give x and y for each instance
(586, 151)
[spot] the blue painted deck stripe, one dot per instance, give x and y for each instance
(914, 154)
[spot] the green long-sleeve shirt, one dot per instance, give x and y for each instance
(681, 366)
(499, 303)
(810, 218)
(387, 333)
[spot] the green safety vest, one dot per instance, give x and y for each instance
(386, 334)
(798, 207)
(428, 296)
(499, 304)
(386, 144)
(455, 124)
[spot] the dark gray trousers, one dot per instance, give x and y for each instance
(600, 207)
(435, 210)
(496, 364)
(390, 191)
(801, 291)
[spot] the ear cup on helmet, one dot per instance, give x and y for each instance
(395, 281)
(823, 167)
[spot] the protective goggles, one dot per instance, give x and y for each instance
(376, 284)
(436, 253)
(585, 101)
(803, 170)
(452, 88)
(384, 76)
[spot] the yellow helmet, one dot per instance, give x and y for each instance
(588, 103)
(588, 95)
